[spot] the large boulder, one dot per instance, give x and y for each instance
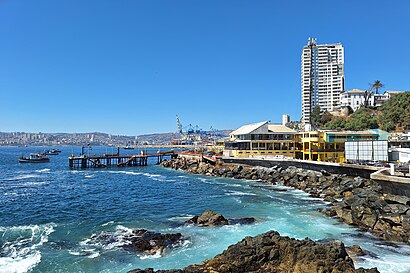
(208, 218)
(149, 242)
(272, 253)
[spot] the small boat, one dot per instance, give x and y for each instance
(34, 158)
(51, 152)
(128, 148)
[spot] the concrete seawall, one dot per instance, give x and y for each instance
(392, 184)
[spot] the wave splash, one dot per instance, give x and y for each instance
(20, 246)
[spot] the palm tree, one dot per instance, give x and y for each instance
(376, 85)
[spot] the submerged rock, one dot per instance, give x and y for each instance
(272, 253)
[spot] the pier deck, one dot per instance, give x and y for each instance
(115, 160)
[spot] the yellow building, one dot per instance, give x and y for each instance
(330, 145)
(262, 139)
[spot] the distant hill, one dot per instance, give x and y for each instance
(78, 139)
(165, 138)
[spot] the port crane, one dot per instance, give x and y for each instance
(193, 133)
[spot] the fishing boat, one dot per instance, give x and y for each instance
(34, 158)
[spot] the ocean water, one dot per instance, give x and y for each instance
(50, 216)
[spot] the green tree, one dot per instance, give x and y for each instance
(337, 123)
(362, 119)
(395, 113)
(376, 86)
(315, 117)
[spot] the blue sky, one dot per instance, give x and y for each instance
(127, 67)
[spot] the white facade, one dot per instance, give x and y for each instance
(322, 77)
(400, 155)
(373, 150)
(285, 119)
(356, 98)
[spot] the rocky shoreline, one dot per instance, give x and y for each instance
(270, 252)
(356, 201)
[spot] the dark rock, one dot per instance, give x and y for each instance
(355, 252)
(208, 218)
(211, 218)
(237, 169)
(369, 221)
(150, 242)
(405, 221)
(396, 199)
(271, 253)
(325, 173)
(371, 270)
(242, 221)
(393, 219)
(396, 208)
(345, 215)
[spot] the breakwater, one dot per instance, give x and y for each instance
(355, 200)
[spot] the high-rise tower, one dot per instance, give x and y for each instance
(322, 77)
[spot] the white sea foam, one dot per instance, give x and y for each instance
(19, 264)
(35, 183)
(108, 223)
(22, 177)
(93, 255)
(21, 248)
(387, 264)
(43, 170)
(181, 217)
(240, 193)
(153, 256)
(125, 172)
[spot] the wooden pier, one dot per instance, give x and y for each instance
(115, 160)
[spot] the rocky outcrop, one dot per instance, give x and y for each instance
(211, 218)
(208, 218)
(272, 253)
(355, 252)
(150, 242)
(356, 201)
(142, 240)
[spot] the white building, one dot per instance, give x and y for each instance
(285, 119)
(356, 98)
(322, 77)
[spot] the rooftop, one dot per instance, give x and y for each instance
(279, 128)
(247, 129)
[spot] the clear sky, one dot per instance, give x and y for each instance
(128, 67)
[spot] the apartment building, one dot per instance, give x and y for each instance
(322, 77)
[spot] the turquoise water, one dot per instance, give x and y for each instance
(50, 214)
